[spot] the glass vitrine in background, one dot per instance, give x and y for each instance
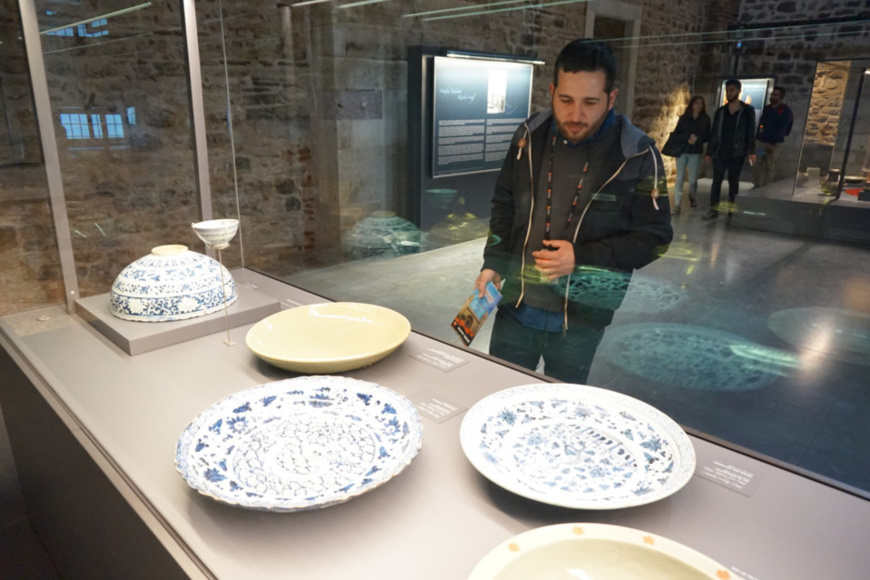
(117, 81)
(835, 154)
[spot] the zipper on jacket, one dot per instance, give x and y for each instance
(580, 221)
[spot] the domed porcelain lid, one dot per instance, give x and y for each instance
(171, 283)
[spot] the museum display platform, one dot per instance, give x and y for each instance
(93, 432)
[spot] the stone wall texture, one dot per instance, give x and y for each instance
(306, 116)
(821, 30)
(823, 115)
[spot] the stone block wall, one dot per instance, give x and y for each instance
(823, 115)
(668, 67)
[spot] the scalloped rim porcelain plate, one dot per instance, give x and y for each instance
(577, 446)
(298, 444)
(599, 551)
(328, 338)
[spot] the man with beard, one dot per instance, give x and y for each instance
(732, 140)
(775, 125)
(582, 192)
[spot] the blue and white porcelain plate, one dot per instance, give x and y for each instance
(577, 446)
(299, 444)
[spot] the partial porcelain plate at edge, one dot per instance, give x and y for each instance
(599, 551)
(577, 446)
(298, 444)
(328, 338)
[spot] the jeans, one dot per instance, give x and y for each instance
(765, 165)
(731, 165)
(567, 358)
(693, 160)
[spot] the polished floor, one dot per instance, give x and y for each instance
(759, 339)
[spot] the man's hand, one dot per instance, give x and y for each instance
(557, 262)
(483, 278)
(752, 158)
(693, 139)
(708, 159)
(768, 147)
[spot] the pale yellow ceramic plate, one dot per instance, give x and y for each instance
(328, 338)
(595, 552)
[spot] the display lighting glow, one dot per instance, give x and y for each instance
(468, 55)
(773, 360)
(461, 8)
(523, 7)
(361, 3)
(308, 3)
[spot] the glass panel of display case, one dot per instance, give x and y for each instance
(752, 336)
(855, 182)
(311, 122)
(120, 103)
(30, 274)
(259, 103)
(833, 163)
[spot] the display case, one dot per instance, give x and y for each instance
(111, 420)
(828, 193)
(125, 125)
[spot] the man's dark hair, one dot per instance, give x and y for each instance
(780, 89)
(584, 55)
(734, 83)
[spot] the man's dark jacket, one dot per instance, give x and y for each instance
(775, 124)
(622, 228)
(744, 133)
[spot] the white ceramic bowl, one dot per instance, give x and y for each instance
(216, 233)
(171, 283)
(599, 551)
(328, 338)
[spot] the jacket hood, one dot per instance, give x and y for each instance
(632, 140)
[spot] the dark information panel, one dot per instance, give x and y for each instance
(478, 105)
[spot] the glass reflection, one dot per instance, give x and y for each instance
(309, 132)
(30, 273)
(842, 334)
(597, 287)
(119, 93)
(382, 234)
(694, 357)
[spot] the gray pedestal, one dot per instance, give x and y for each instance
(138, 337)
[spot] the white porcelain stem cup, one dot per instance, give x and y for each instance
(216, 233)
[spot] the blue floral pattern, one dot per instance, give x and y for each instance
(298, 444)
(160, 288)
(600, 288)
(577, 446)
(694, 357)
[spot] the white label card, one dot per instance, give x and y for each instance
(731, 476)
(434, 406)
(439, 358)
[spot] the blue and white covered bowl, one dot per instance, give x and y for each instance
(171, 283)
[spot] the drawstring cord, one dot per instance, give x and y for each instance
(655, 190)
